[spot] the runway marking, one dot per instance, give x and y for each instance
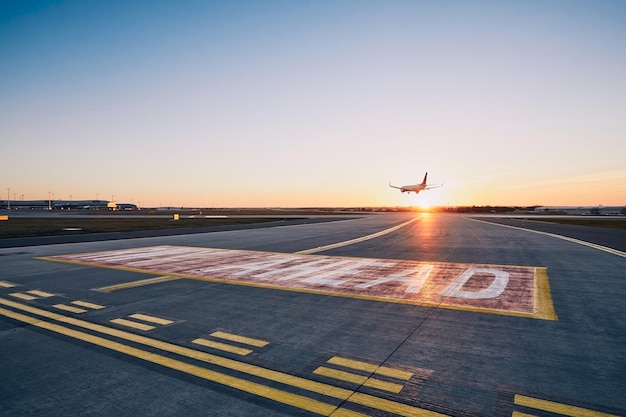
(222, 346)
(521, 291)
(142, 317)
(240, 339)
(71, 309)
(274, 394)
(139, 283)
(569, 239)
(358, 379)
(88, 305)
(233, 338)
(41, 294)
(6, 284)
(133, 324)
(371, 368)
(557, 408)
(518, 414)
(23, 296)
(151, 319)
(357, 240)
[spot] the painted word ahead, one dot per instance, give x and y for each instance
(511, 290)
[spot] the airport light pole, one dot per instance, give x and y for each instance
(8, 199)
(49, 202)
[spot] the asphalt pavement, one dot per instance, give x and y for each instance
(383, 315)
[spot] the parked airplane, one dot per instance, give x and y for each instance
(416, 188)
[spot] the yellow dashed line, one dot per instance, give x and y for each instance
(518, 414)
(241, 339)
(371, 368)
(133, 324)
(69, 308)
(6, 284)
(557, 408)
(150, 319)
(23, 296)
(222, 346)
(42, 294)
(358, 379)
(88, 305)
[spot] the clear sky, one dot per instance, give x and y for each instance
(314, 103)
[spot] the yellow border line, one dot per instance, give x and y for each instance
(544, 307)
(257, 371)
(139, 283)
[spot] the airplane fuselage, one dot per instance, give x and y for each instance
(416, 188)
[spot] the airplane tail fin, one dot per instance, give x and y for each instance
(424, 181)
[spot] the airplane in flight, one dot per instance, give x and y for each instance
(416, 188)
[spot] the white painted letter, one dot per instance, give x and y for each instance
(415, 278)
(494, 290)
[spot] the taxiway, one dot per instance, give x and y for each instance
(380, 315)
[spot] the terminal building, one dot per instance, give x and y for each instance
(64, 205)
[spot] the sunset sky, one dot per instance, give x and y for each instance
(314, 103)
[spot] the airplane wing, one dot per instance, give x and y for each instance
(393, 186)
(428, 187)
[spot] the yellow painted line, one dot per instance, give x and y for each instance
(357, 240)
(544, 308)
(40, 293)
(371, 368)
(392, 406)
(6, 284)
(150, 319)
(23, 296)
(569, 239)
(518, 414)
(88, 305)
(222, 346)
(133, 324)
(358, 379)
(553, 407)
(139, 283)
(241, 339)
(258, 371)
(273, 394)
(69, 308)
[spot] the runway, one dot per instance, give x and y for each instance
(380, 315)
